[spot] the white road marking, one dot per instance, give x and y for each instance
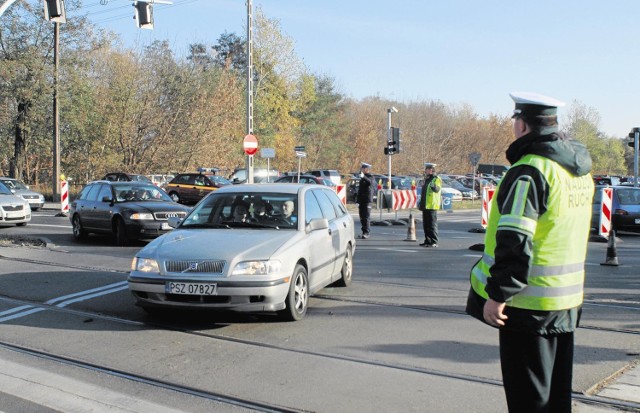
(63, 301)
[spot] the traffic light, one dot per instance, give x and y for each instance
(632, 140)
(54, 11)
(395, 139)
(144, 14)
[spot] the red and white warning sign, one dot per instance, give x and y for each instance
(487, 195)
(404, 199)
(341, 191)
(605, 212)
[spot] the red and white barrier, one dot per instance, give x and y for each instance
(64, 197)
(404, 199)
(487, 195)
(341, 191)
(605, 212)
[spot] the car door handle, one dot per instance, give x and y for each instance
(330, 231)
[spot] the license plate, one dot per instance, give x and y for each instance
(191, 288)
(165, 226)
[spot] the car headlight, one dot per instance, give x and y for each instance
(141, 216)
(144, 265)
(257, 267)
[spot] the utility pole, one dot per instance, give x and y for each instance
(249, 162)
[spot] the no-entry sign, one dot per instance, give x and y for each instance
(250, 145)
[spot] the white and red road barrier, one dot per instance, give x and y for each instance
(404, 199)
(64, 197)
(487, 195)
(605, 212)
(341, 191)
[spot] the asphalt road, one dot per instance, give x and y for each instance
(397, 340)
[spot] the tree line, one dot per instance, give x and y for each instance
(149, 110)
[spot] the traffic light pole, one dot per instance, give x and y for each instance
(636, 132)
(388, 141)
(249, 163)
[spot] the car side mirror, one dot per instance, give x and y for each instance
(318, 223)
(174, 221)
(107, 199)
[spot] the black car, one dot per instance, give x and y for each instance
(125, 177)
(304, 179)
(128, 210)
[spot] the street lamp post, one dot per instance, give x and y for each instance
(389, 138)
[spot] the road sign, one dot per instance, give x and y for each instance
(474, 158)
(268, 152)
(250, 145)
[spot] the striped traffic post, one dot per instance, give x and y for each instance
(605, 212)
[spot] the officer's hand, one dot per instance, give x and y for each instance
(493, 313)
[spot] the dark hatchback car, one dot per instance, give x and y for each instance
(190, 188)
(127, 210)
(125, 177)
(304, 179)
(625, 208)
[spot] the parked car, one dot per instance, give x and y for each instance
(17, 187)
(625, 208)
(467, 193)
(330, 174)
(14, 210)
(125, 177)
(217, 258)
(160, 180)
(260, 175)
(304, 179)
(190, 188)
(127, 210)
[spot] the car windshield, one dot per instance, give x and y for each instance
(135, 193)
(246, 210)
(11, 184)
(628, 196)
(4, 190)
(219, 180)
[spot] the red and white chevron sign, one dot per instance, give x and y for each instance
(487, 195)
(404, 199)
(341, 191)
(605, 212)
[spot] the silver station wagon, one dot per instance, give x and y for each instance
(256, 248)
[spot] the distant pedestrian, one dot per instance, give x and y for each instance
(366, 191)
(529, 282)
(430, 199)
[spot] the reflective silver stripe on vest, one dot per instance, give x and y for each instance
(532, 291)
(477, 271)
(565, 269)
(520, 198)
(525, 224)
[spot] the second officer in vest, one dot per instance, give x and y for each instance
(529, 281)
(429, 204)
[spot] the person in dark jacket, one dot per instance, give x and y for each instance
(529, 282)
(366, 190)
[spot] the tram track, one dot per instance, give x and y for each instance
(257, 405)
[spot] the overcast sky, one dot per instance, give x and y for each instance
(454, 51)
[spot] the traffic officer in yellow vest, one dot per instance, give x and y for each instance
(429, 204)
(529, 281)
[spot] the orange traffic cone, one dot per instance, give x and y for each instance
(411, 229)
(612, 256)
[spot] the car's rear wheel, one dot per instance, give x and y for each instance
(121, 233)
(298, 298)
(347, 268)
(78, 231)
(174, 196)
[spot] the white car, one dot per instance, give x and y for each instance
(257, 248)
(35, 199)
(13, 209)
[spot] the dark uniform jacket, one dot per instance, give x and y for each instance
(366, 189)
(509, 274)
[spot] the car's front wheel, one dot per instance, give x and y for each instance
(121, 233)
(347, 268)
(298, 298)
(78, 231)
